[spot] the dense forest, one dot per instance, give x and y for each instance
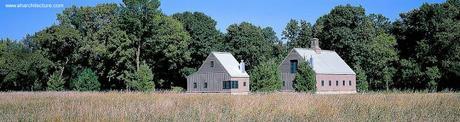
(135, 46)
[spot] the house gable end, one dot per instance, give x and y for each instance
(285, 65)
(206, 66)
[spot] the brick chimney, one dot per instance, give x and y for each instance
(315, 45)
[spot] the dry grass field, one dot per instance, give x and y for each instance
(133, 106)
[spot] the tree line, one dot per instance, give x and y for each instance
(135, 46)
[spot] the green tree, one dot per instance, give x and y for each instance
(87, 80)
(277, 46)
(205, 38)
(381, 57)
(112, 57)
(21, 67)
(265, 77)
(250, 43)
(428, 42)
(361, 80)
(291, 32)
(409, 69)
(304, 80)
(298, 34)
(55, 82)
(433, 74)
(158, 40)
(142, 79)
(168, 52)
(381, 23)
(138, 18)
(104, 46)
(60, 45)
(305, 35)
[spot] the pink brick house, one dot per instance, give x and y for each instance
(333, 75)
(219, 73)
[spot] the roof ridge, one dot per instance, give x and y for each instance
(313, 49)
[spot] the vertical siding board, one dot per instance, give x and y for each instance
(285, 70)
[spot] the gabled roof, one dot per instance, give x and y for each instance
(325, 62)
(230, 64)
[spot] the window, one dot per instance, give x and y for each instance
(284, 83)
(212, 63)
(230, 84)
(226, 85)
(234, 84)
(322, 82)
(194, 85)
(244, 83)
(329, 82)
(336, 83)
(205, 85)
(343, 82)
(349, 83)
(293, 66)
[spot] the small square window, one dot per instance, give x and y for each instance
(195, 85)
(205, 85)
(244, 83)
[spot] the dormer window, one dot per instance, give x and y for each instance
(212, 63)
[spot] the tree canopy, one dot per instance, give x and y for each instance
(304, 80)
(265, 77)
(428, 40)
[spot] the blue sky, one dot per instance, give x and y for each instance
(15, 23)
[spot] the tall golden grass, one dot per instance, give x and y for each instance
(134, 106)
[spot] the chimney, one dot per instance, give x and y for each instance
(315, 45)
(242, 66)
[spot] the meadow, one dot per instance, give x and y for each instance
(138, 106)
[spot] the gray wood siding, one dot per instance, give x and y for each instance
(213, 76)
(285, 70)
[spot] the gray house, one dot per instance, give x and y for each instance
(333, 75)
(219, 73)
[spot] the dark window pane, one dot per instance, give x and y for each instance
(234, 84)
(293, 66)
(205, 85)
(349, 82)
(343, 83)
(212, 63)
(336, 83)
(227, 85)
(329, 83)
(322, 82)
(244, 83)
(194, 85)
